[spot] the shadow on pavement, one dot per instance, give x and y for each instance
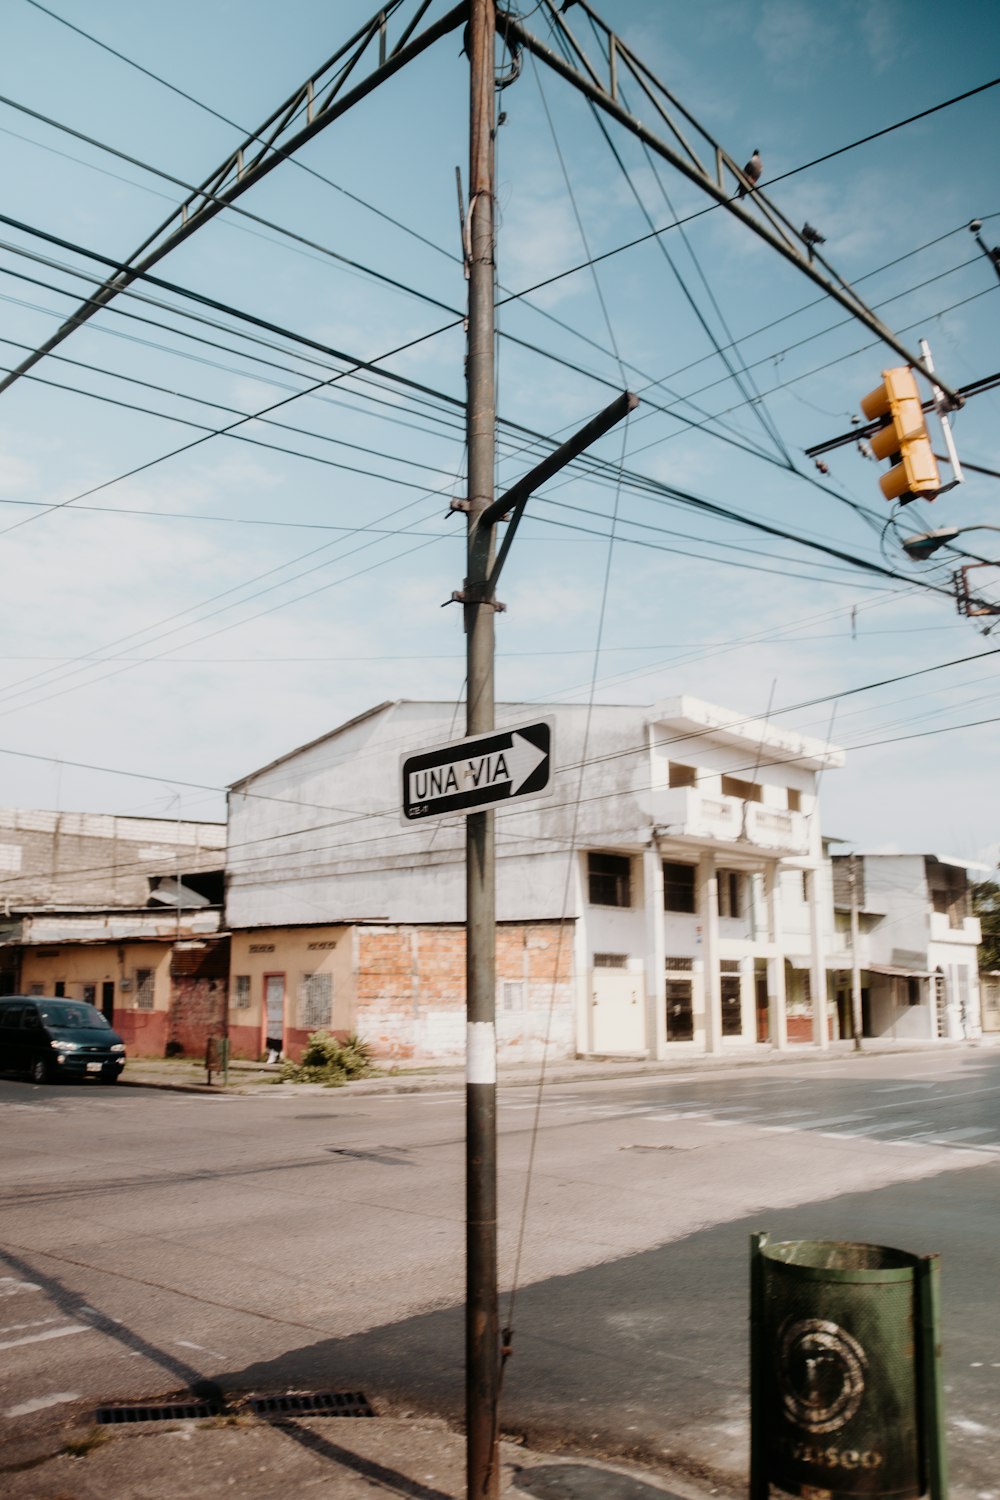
(583, 1482)
(646, 1357)
(380, 1474)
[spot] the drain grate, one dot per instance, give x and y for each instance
(312, 1404)
(303, 1404)
(160, 1411)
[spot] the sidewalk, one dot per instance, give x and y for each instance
(187, 1075)
(329, 1458)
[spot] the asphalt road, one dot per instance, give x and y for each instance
(315, 1241)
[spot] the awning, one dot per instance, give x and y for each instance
(897, 973)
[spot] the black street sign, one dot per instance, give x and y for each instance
(487, 770)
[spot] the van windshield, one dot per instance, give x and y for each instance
(67, 1014)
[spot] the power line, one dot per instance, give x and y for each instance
(591, 760)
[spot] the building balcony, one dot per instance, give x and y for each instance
(715, 821)
(966, 930)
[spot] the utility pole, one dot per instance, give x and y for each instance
(856, 1020)
(478, 599)
(482, 1344)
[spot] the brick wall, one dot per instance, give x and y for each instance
(197, 1011)
(89, 859)
(199, 992)
(410, 990)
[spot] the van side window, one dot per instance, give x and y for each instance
(30, 1021)
(11, 1016)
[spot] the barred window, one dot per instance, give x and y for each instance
(610, 960)
(315, 1001)
(144, 989)
(241, 991)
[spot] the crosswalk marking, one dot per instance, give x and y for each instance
(51, 1333)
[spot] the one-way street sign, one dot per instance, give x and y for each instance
(487, 770)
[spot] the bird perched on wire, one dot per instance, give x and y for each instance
(812, 237)
(751, 172)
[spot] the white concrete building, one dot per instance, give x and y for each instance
(917, 944)
(680, 855)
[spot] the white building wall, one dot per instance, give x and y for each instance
(318, 836)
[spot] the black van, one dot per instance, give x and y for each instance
(51, 1039)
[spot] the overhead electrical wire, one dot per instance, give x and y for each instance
(602, 758)
(558, 35)
(407, 229)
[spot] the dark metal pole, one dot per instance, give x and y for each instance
(482, 1352)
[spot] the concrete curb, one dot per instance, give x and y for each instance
(579, 1071)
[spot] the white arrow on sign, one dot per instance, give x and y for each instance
(494, 769)
(523, 758)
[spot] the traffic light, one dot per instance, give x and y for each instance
(903, 437)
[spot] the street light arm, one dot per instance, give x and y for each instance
(925, 543)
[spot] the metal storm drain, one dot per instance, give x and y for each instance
(311, 1404)
(158, 1411)
(299, 1404)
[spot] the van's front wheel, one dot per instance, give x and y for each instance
(39, 1071)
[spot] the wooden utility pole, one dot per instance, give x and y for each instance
(482, 1351)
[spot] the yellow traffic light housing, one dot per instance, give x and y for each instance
(903, 437)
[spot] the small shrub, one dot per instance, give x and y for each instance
(173, 1048)
(329, 1061)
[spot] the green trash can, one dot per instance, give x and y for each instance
(845, 1382)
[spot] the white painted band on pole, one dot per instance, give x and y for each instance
(480, 1052)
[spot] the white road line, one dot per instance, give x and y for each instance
(880, 1129)
(965, 1134)
(53, 1333)
(836, 1120)
(41, 1402)
(18, 1327)
(10, 1286)
(898, 1088)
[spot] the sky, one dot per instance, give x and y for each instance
(175, 616)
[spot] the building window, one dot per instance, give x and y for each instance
(680, 1010)
(241, 991)
(679, 775)
(609, 879)
(512, 994)
(144, 989)
(732, 1006)
(36, 989)
(678, 887)
(794, 799)
(676, 965)
(315, 1001)
(610, 960)
(730, 893)
(747, 791)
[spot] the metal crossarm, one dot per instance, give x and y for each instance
(320, 100)
(601, 83)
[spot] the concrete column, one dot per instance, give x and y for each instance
(817, 966)
(708, 912)
(777, 1008)
(581, 959)
(655, 954)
